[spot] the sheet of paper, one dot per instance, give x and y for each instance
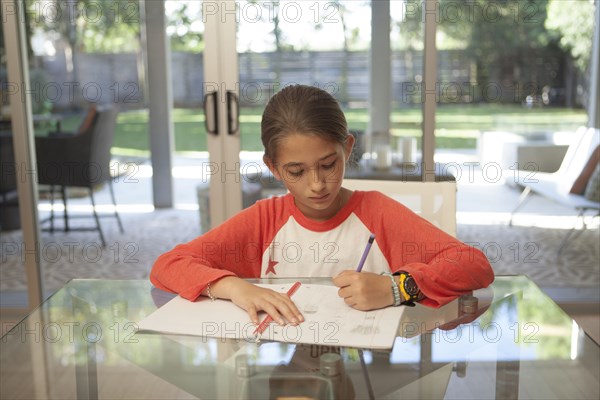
(328, 320)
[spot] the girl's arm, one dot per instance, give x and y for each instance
(214, 264)
(443, 267)
(233, 249)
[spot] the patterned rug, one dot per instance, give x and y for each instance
(511, 250)
(533, 252)
(129, 255)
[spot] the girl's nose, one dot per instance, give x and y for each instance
(317, 180)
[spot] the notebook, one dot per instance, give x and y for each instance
(328, 320)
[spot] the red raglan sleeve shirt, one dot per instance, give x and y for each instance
(233, 248)
(274, 239)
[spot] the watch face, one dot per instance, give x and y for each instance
(410, 286)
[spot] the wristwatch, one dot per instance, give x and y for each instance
(409, 290)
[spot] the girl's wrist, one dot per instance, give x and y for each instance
(223, 287)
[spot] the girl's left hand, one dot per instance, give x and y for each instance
(364, 290)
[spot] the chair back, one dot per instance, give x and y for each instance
(81, 159)
(103, 133)
(8, 177)
(584, 142)
(434, 201)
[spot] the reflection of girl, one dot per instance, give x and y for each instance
(304, 376)
(320, 229)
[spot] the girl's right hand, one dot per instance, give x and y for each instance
(254, 298)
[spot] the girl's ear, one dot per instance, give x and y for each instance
(271, 165)
(348, 146)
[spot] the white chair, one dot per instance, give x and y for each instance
(434, 201)
(557, 185)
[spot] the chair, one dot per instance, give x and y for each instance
(434, 201)
(9, 201)
(79, 159)
(557, 185)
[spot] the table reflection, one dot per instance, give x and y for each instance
(82, 343)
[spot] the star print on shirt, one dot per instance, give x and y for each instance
(272, 263)
(271, 267)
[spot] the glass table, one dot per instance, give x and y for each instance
(506, 341)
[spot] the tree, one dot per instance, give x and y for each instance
(89, 25)
(350, 36)
(28, 30)
(454, 22)
(180, 22)
(504, 38)
(270, 14)
(575, 28)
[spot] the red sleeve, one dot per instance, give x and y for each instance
(234, 248)
(443, 266)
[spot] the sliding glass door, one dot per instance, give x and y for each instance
(221, 110)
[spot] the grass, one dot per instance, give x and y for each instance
(457, 126)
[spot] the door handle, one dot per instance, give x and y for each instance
(233, 113)
(215, 129)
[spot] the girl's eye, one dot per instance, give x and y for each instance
(329, 166)
(296, 174)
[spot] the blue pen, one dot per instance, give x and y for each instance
(365, 253)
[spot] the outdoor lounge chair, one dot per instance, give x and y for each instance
(557, 185)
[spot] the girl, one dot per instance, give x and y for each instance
(320, 229)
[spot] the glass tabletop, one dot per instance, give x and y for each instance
(506, 341)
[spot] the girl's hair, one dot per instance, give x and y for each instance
(302, 109)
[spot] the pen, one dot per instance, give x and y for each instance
(268, 319)
(365, 253)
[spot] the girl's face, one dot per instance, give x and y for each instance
(312, 169)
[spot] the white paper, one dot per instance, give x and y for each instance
(328, 320)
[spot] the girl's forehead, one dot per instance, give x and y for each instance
(305, 148)
(306, 139)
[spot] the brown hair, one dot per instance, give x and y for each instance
(302, 109)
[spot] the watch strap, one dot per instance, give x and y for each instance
(395, 289)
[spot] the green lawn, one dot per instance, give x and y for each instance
(457, 126)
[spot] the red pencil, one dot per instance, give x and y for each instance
(268, 319)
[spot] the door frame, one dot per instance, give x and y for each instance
(221, 91)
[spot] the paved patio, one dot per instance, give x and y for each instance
(484, 195)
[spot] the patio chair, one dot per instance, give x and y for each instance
(9, 201)
(79, 159)
(558, 185)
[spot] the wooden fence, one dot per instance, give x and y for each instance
(119, 78)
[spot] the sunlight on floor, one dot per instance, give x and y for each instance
(525, 219)
(462, 217)
(101, 208)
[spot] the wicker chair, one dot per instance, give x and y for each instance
(80, 159)
(9, 201)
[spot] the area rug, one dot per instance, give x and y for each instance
(533, 251)
(69, 255)
(511, 250)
